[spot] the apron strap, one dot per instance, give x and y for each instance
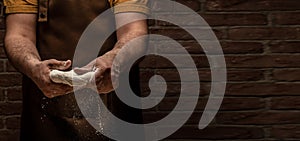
(43, 11)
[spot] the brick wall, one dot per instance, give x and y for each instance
(10, 94)
(261, 42)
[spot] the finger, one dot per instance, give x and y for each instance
(90, 65)
(87, 68)
(98, 77)
(81, 71)
(99, 73)
(59, 65)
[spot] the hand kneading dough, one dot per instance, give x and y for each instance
(71, 78)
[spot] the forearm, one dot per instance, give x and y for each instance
(22, 53)
(127, 49)
(20, 41)
(131, 35)
(126, 32)
(131, 39)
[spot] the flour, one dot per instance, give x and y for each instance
(71, 78)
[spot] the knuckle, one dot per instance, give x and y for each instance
(52, 60)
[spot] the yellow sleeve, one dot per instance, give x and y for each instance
(130, 6)
(21, 6)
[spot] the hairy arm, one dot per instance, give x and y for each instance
(129, 31)
(125, 50)
(125, 34)
(20, 42)
(20, 46)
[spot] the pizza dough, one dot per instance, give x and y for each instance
(71, 78)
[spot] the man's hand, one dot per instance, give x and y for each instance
(20, 46)
(102, 66)
(103, 74)
(40, 75)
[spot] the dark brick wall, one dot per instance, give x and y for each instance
(261, 42)
(10, 94)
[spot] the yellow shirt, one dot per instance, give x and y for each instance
(31, 6)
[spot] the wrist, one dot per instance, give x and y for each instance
(109, 56)
(31, 68)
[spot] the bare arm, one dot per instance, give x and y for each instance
(20, 46)
(124, 34)
(20, 41)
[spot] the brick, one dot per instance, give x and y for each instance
(146, 74)
(235, 61)
(171, 75)
(10, 79)
(10, 135)
(285, 47)
(150, 117)
(205, 75)
(258, 118)
(13, 123)
(180, 34)
(252, 5)
(231, 104)
(169, 103)
(2, 95)
(182, 19)
(286, 74)
(199, 61)
(242, 47)
(214, 19)
(228, 104)
(285, 131)
(148, 62)
(228, 47)
(10, 67)
(286, 18)
(1, 66)
(10, 108)
(174, 89)
(166, 47)
(245, 75)
(218, 132)
(262, 61)
(14, 94)
(2, 35)
(1, 123)
(235, 19)
(262, 89)
(192, 4)
(264, 33)
(2, 53)
(285, 103)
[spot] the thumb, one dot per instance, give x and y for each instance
(87, 68)
(59, 65)
(82, 70)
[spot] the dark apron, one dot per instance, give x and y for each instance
(61, 23)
